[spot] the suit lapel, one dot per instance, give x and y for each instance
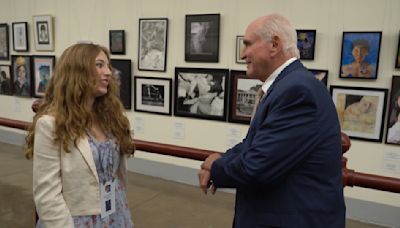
(84, 149)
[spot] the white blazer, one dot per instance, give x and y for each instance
(65, 184)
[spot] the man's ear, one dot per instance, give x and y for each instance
(276, 45)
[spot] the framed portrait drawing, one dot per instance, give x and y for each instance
(44, 34)
(153, 95)
(20, 36)
(117, 42)
(393, 124)
(243, 92)
(6, 80)
(202, 38)
(321, 75)
(22, 71)
(153, 34)
(397, 64)
(43, 68)
(4, 42)
(239, 49)
(360, 55)
(361, 111)
(122, 73)
(201, 93)
(306, 43)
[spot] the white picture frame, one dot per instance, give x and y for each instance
(43, 32)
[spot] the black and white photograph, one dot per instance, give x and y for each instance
(20, 36)
(5, 80)
(4, 44)
(122, 73)
(321, 75)
(153, 34)
(201, 93)
(153, 95)
(43, 30)
(21, 68)
(43, 68)
(393, 123)
(117, 42)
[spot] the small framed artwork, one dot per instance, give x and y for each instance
(4, 44)
(393, 124)
(153, 95)
(22, 71)
(360, 55)
(44, 34)
(321, 75)
(361, 111)
(306, 43)
(239, 49)
(43, 68)
(243, 92)
(397, 65)
(117, 42)
(153, 34)
(122, 73)
(5, 80)
(201, 93)
(202, 38)
(20, 36)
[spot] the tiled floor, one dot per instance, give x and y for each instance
(154, 202)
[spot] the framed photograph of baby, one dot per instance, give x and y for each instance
(122, 73)
(153, 34)
(321, 75)
(243, 92)
(201, 93)
(361, 111)
(43, 68)
(306, 43)
(393, 124)
(153, 95)
(44, 34)
(21, 69)
(4, 42)
(360, 55)
(6, 79)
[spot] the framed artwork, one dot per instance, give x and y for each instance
(5, 80)
(361, 111)
(20, 36)
(153, 34)
(153, 95)
(397, 65)
(44, 34)
(122, 73)
(202, 38)
(117, 42)
(360, 55)
(243, 92)
(393, 124)
(21, 69)
(239, 49)
(306, 43)
(201, 93)
(4, 44)
(43, 68)
(321, 75)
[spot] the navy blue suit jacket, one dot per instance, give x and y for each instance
(287, 171)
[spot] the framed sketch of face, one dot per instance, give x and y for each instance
(43, 31)
(4, 44)
(20, 36)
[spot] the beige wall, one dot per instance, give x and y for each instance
(77, 20)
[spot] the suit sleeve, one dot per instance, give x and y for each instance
(47, 188)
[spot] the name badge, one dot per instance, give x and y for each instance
(107, 198)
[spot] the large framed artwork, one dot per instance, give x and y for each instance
(22, 71)
(117, 42)
(201, 93)
(243, 92)
(5, 80)
(321, 75)
(153, 95)
(361, 111)
(306, 43)
(44, 34)
(122, 73)
(360, 55)
(397, 64)
(202, 38)
(20, 36)
(4, 42)
(43, 68)
(153, 34)
(393, 124)
(239, 49)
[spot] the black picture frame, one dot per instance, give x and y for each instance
(239, 50)
(153, 40)
(397, 64)
(122, 73)
(306, 43)
(202, 38)
(6, 79)
(243, 92)
(393, 121)
(43, 69)
(201, 93)
(153, 95)
(117, 42)
(321, 75)
(360, 55)
(20, 36)
(4, 42)
(22, 81)
(361, 111)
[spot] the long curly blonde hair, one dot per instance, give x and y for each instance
(68, 98)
